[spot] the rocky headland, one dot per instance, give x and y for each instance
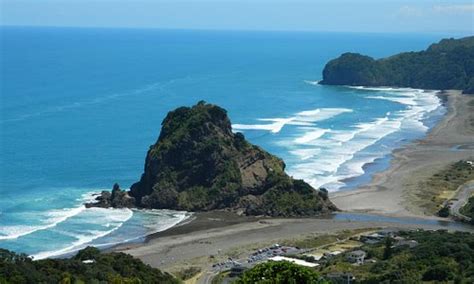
(199, 164)
(442, 66)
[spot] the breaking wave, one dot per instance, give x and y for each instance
(327, 157)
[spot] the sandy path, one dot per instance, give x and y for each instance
(460, 199)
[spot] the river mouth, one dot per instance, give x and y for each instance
(366, 217)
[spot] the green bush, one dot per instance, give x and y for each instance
(106, 268)
(280, 272)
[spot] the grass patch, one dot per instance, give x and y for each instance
(442, 185)
(322, 240)
(188, 272)
(220, 277)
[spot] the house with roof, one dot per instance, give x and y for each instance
(356, 256)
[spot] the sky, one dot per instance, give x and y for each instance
(428, 16)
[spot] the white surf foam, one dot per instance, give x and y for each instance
(54, 217)
(303, 118)
(314, 83)
(274, 127)
(385, 89)
(324, 158)
(305, 153)
(50, 220)
(333, 162)
(159, 220)
(114, 218)
(311, 135)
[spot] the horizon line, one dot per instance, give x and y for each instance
(455, 33)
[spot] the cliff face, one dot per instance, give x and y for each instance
(448, 64)
(199, 164)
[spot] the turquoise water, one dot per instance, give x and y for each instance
(80, 107)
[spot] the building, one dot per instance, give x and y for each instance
(356, 256)
(294, 260)
(372, 238)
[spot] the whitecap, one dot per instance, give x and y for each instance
(329, 158)
(274, 127)
(53, 218)
(314, 83)
(310, 135)
(50, 219)
(303, 118)
(156, 221)
(102, 215)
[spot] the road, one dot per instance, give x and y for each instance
(460, 199)
(207, 277)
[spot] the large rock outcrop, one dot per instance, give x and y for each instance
(199, 164)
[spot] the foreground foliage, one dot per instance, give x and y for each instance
(280, 272)
(448, 64)
(103, 268)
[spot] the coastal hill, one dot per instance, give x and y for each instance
(448, 64)
(199, 164)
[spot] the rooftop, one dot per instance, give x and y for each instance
(294, 260)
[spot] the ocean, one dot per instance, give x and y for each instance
(80, 107)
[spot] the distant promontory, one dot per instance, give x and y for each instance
(199, 164)
(448, 64)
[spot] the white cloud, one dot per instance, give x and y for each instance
(454, 9)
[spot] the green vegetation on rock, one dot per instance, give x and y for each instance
(88, 266)
(199, 164)
(448, 64)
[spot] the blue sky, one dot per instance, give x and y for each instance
(456, 17)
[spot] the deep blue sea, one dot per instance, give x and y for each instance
(80, 107)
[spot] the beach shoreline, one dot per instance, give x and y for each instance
(207, 236)
(215, 236)
(391, 192)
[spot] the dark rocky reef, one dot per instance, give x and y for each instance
(199, 164)
(448, 64)
(117, 198)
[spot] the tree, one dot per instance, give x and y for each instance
(280, 272)
(439, 272)
(387, 252)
